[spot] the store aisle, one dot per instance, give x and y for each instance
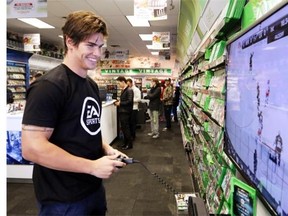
(133, 190)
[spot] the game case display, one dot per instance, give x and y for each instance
(182, 202)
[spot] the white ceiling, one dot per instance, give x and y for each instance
(113, 12)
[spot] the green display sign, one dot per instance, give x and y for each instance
(137, 71)
(243, 198)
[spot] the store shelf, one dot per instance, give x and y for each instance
(203, 108)
(16, 80)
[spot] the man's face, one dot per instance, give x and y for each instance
(88, 52)
(121, 84)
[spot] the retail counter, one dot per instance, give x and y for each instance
(18, 168)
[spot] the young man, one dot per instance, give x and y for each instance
(154, 106)
(61, 131)
(136, 100)
(167, 102)
(125, 108)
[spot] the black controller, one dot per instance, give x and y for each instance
(126, 160)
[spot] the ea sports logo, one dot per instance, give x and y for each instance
(90, 116)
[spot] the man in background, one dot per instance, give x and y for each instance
(35, 76)
(125, 108)
(136, 100)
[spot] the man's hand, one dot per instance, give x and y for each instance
(104, 167)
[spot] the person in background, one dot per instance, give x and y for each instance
(35, 76)
(167, 102)
(136, 100)
(161, 110)
(154, 106)
(10, 96)
(125, 108)
(176, 98)
(61, 129)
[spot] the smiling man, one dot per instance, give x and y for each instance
(61, 131)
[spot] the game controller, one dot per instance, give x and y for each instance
(125, 159)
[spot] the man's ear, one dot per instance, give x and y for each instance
(69, 43)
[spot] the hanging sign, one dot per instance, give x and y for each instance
(161, 40)
(26, 8)
(114, 54)
(137, 71)
(150, 9)
(31, 42)
(164, 54)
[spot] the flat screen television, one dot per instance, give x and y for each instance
(256, 122)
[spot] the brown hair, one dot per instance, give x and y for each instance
(80, 25)
(129, 80)
(155, 80)
(121, 79)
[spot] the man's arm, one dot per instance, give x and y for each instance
(37, 148)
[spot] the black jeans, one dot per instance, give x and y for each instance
(174, 110)
(124, 119)
(133, 123)
(167, 113)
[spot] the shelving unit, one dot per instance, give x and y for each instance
(202, 113)
(17, 74)
(16, 80)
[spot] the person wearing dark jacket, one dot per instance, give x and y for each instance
(125, 108)
(176, 98)
(10, 97)
(154, 106)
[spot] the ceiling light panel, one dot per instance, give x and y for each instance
(36, 23)
(155, 53)
(146, 37)
(138, 22)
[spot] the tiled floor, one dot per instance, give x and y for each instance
(138, 189)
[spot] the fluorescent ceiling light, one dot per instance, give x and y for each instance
(36, 23)
(150, 46)
(61, 36)
(138, 22)
(146, 37)
(155, 53)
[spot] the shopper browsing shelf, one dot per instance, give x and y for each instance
(154, 106)
(167, 102)
(61, 131)
(176, 98)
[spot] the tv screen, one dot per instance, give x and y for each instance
(256, 123)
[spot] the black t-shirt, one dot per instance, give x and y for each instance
(70, 104)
